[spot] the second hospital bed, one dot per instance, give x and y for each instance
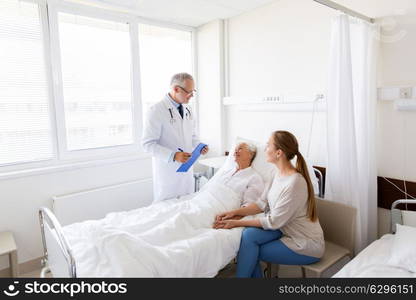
(392, 255)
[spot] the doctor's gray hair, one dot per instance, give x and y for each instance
(179, 79)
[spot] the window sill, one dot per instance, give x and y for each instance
(67, 166)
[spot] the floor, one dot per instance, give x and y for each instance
(284, 271)
(33, 274)
(227, 272)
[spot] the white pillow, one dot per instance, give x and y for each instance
(259, 164)
(403, 250)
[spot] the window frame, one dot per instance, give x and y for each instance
(54, 8)
(44, 28)
(62, 157)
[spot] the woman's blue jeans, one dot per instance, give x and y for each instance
(258, 245)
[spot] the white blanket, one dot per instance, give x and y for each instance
(167, 239)
(371, 262)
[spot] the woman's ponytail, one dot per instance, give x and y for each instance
(302, 168)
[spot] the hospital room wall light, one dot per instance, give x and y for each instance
(283, 102)
(405, 104)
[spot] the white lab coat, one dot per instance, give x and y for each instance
(162, 136)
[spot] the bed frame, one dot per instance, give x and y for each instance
(58, 257)
(320, 177)
(397, 216)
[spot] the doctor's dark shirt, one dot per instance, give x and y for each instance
(174, 103)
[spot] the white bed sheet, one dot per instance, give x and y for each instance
(172, 238)
(371, 262)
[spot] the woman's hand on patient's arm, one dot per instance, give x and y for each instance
(248, 210)
(236, 215)
(226, 216)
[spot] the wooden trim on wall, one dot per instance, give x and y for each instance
(388, 193)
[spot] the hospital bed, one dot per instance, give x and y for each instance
(66, 247)
(171, 238)
(393, 255)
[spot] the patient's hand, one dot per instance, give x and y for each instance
(236, 218)
(219, 223)
(227, 224)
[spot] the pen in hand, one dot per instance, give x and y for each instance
(181, 156)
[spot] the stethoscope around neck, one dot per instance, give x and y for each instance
(188, 115)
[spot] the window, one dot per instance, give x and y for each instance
(25, 128)
(96, 75)
(70, 80)
(163, 52)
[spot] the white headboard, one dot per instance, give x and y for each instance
(95, 204)
(402, 217)
(409, 218)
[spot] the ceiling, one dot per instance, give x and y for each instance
(185, 12)
(198, 12)
(381, 8)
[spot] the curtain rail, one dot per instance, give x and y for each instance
(344, 9)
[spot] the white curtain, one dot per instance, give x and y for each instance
(351, 119)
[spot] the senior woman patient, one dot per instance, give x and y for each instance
(242, 178)
(289, 231)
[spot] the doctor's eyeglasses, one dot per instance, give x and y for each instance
(191, 93)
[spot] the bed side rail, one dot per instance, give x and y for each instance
(320, 177)
(58, 256)
(396, 214)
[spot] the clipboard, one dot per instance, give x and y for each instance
(195, 154)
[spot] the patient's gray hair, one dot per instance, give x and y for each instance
(252, 149)
(179, 79)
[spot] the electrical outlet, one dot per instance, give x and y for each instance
(406, 93)
(271, 99)
(320, 96)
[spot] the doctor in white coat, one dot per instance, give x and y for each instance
(169, 135)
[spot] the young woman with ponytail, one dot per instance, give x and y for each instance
(288, 232)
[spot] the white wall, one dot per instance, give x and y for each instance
(22, 197)
(280, 48)
(397, 130)
(284, 47)
(398, 49)
(210, 85)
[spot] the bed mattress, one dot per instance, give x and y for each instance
(371, 262)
